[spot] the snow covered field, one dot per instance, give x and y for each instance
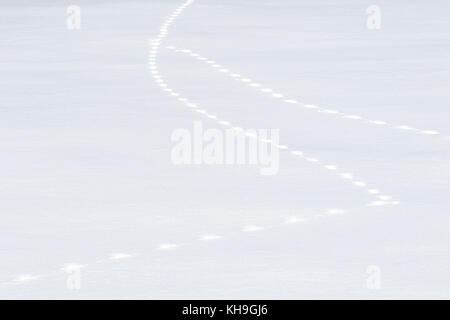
(93, 207)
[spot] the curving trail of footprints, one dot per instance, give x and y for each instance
(379, 198)
(274, 94)
(64, 269)
(155, 45)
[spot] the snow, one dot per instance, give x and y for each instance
(87, 179)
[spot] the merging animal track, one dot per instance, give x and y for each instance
(277, 95)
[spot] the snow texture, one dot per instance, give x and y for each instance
(88, 187)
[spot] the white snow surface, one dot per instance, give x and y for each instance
(86, 176)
